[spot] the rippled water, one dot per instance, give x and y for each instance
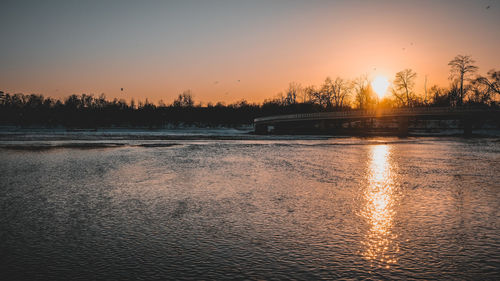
(253, 209)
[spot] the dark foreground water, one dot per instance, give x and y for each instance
(251, 209)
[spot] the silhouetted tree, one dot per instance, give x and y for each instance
(332, 93)
(438, 96)
(294, 90)
(485, 89)
(492, 81)
(454, 93)
(480, 93)
(341, 89)
(326, 92)
(364, 97)
(318, 96)
(184, 100)
(461, 67)
(403, 86)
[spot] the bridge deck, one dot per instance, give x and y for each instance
(358, 114)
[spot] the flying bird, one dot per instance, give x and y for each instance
(488, 7)
(121, 89)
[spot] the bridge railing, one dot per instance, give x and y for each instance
(370, 113)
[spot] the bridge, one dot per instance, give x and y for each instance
(394, 121)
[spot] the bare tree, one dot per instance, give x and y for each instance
(438, 96)
(335, 92)
(461, 67)
(403, 86)
(314, 95)
(485, 88)
(453, 93)
(492, 80)
(426, 100)
(341, 90)
(294, 90)
(480, 93)
(363, 92)
(2, 97)
(184, 100)
(326, 92)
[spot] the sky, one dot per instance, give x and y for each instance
(232, 50)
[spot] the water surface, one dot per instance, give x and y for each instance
(251, 208)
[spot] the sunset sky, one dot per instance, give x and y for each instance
(232, 50)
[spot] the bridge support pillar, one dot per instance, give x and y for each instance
(467, 123)
(403, 126)
(261, 129)
(322, 125)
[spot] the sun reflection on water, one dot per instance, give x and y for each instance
(379, 196)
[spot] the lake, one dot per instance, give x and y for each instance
(88, 206)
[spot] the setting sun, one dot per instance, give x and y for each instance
(380, 85)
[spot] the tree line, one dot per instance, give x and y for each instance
(465, 88)
(91, 111)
